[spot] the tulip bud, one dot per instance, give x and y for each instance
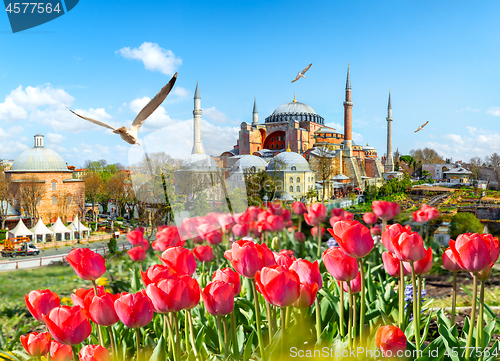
(60, 352)
(390, 340)
(87, 264)
(36, 344)
(40, 302)
(218, 298)
(278, 285)
(275, 243)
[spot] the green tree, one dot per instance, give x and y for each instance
(464, 222)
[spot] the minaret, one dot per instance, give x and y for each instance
(255, 121)
(348, 116)
(197, 145)
(389, 162)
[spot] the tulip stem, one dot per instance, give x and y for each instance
(257, 320)
(416, 316)
(186, 330)
(479, 336)
(138, 342)
(226, 337)
(98, 327)
(171, 343)
(319, 240)
(222, 338)
(233, 332)
(299, 227)
(269, 322)
(112, 339)
(363, 306)
(472, 318)
(177, 336)
(75, 353)
(283, 327)
(318, 318)
(454, 298)
(419, 294)
(288, 316)
(341, 313)
(349, 325)
(191, 331)
(354, 318)
(401, 294)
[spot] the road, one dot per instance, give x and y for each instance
(50, 255)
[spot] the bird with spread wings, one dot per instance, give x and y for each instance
(130, 135)
(421, 127)
(301, 73)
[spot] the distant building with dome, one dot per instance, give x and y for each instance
(42, 173)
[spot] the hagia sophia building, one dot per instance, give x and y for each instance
(297, 136)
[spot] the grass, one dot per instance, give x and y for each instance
(491, 298)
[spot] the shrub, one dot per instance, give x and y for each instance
(464, 222)
(112, 246)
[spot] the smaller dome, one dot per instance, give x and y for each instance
(247, 162)
(367, 147)
(199, 162)
(287, 160)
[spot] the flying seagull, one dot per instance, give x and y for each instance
(421, 127)
(130, 135)
(301, 73)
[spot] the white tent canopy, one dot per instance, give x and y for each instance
(77, 227)
(20, 230)
(60, 228)
(41, 229)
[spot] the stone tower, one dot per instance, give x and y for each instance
(255, 120)
(197, 145)
(389, 162)
(348, 116)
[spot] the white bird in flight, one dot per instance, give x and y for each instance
(301, 73)
(130, 135)
(421, 127)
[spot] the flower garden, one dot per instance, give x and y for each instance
(266, 285)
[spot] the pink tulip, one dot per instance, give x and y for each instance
(94, 353)
(156, 273)
(248, 257)
(36, 344)
(227, 275)
(299, 237)
(137, 254)
(174, 294)
(136, 237)
(341, 266)
(473, 252)
(409, 247)
(283, 259)
(308, 272)
(60, 352)
(276, 223)
(68, 325)
(135, 310)
(40, 302)
(449, 260)
(180, 259)
(279, 286)
(355, 285)
(370, 218)
(87, 264)
(420, 216)
(307, 295)
(299, 208)
(353, 238)
(422, 266)
(204, 253)
(392, 265)
(386, 210)
(391, 233)
(240, 230)
(218, 298)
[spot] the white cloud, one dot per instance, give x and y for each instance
(339, 128)
(158, 119)
(215, 115)
(467, 109)
(55, 138)
(154, 57)
(180, 92)
(495, 111)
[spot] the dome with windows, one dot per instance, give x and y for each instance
(249, 163)
(294, 111)
(290, 161)
(39, 159)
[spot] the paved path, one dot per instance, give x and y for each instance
(53, 254)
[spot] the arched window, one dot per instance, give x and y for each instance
(294, 168)
(53, 186)
(298, 188)
(54, 199)
(298, 180)
(291, 179)
(291, 189)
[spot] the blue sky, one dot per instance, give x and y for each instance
(440, 60)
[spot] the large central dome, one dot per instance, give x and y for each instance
(39, 159)
(294, 111)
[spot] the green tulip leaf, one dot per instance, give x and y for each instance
(159, 353)
(248, 347)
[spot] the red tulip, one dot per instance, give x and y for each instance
(167, 237)
(87, 264)
(180, 259)
(420, 216)
(308, 272)
(423, 266)
(286, 215)
(101, 309)
(318, 210)
(278, 285)
(248, 257)
(376, 230)
(68, 325)
(156, 273)
(283, 259)
(40, 302)
(137, 254)
(355, 285)
(392, 265)
(94, 353)
(82, 294)
(253, 212)
(218, 298)
(136, 237)
(203, 253)
(307, 295)
(370, 218)
(339, 214)
(240, 230)
(473, 252)
(449, 260)
(386, 210)
(299, 237)
(214, 237)
(276, 223)
(391, 340)
(36, 344)
(135, 310)
(299, 208)
(409, 247)
(432, 213)
(391, 233)
(275, 208)
(227, 275)
(60, 352)
(353, 238)
(341, 266)
(314, 231)
(494, 245)
(174, 294)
